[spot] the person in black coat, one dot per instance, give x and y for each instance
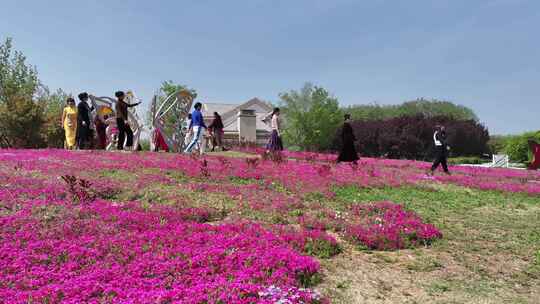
(348, 151)
(216, 129)
(83, 122)
(441, 150)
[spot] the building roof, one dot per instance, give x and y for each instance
(221, 108)
(229, 113)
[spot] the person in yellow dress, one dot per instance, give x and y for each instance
(69, 122)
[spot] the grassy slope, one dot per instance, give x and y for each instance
(489, 253)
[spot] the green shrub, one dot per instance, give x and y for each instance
(322, 248)
(145, 144)
(497, 143)
(517, 147)
(470, 160)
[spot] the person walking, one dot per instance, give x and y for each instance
(84, 131)
(441, 150)
(348, 150)
(101, 131)
(124, 130)
(69, 123)
(198, 128)
(216, 129)
(275, 143)
(188, 130)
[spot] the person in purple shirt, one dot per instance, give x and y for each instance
(198, 127)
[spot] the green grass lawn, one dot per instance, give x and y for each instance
(490, 252)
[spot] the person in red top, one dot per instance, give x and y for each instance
(159, 140)
(535, 149)
(122, 121)
(101, 130)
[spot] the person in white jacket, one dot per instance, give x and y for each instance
(441, 150)
(275, 143)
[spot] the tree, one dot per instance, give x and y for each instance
(21, 120)
(421, 106)
(517, 146)
(16, 77)
(433, 108)
(20, 117)
(53, 104)
(311, 117)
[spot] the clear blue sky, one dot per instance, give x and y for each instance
(482, 54)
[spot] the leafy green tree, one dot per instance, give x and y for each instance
(311, 117)
(517, 147)
(21, 118)
(433, 108)
(17, 78)
(53, 105)
(424, 107)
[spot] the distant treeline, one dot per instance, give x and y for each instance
(406, 130)
(313, 120)
(411, 137)
(424, 107)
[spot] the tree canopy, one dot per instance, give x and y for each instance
(29, 114)
(424, 107)
(17, 78)
(311, 117)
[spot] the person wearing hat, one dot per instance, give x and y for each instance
(441, 150)
(124, 129)
(84, 131)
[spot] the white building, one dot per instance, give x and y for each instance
(242, 122)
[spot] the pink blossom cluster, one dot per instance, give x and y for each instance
(387, 226)
(297, 176)
(56, 252)
(54, 248)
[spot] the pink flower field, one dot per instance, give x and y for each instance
(102, 227)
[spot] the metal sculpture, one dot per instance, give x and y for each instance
(169, 116)
(105, 108)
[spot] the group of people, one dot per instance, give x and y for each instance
(197, 128)
(347, 153)
(196, 131)
(79, 134)
(76, 123)
(79, 128)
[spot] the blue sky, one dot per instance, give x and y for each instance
(482, 54)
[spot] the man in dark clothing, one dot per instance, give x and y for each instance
(441, 150)
(83, 122)
(124, 129)
(348, 150)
